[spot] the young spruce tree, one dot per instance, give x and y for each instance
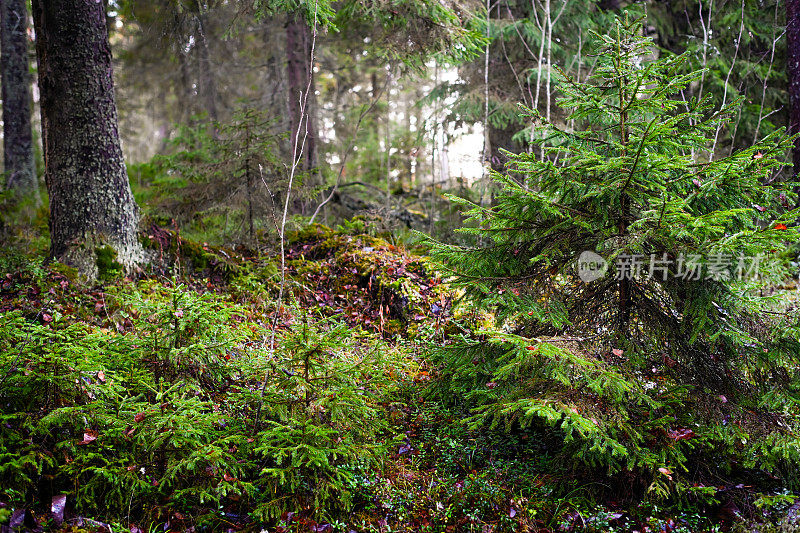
(675, 317)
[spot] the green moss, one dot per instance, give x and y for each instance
(67, 271)
(108, 268)
(193, 254)
(305, 269)
(255, 282)
(195, 257)
(365, 275)
(395, 326)
(313, 232)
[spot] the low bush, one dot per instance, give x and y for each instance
(182, 415)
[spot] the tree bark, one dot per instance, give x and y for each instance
(208, 85)
(183, 89)
(20, 167)
(91, 204)
(793, 74)
(299, 73)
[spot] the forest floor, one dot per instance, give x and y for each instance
(197, 402)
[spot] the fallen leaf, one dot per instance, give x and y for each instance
(57, 507)
(681, 434)
(89, 436)
(17, 519)
(617, 352)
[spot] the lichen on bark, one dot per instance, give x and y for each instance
(91, 203)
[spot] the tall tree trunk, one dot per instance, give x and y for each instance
(183, 90)
(388, 146)
(793, 74)
(208, 84)
(91, 204)
(300, 75)
(20, 167)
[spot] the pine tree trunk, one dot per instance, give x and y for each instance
(20, 167)
(298, 71)
(184, 92)
(208, 84)
(793, 74)
(91, 204)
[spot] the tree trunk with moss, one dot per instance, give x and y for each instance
(91, 204)
(20, 168)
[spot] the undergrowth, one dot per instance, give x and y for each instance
(158, 404)
(182, 415)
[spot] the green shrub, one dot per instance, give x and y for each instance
(642, 373)
(321, 401)
(182, 412)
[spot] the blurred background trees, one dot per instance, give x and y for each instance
(402, 102)
(19, 164)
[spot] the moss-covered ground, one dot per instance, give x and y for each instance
(186, 399)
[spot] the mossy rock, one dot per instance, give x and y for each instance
(365, 277)
(310, 233)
